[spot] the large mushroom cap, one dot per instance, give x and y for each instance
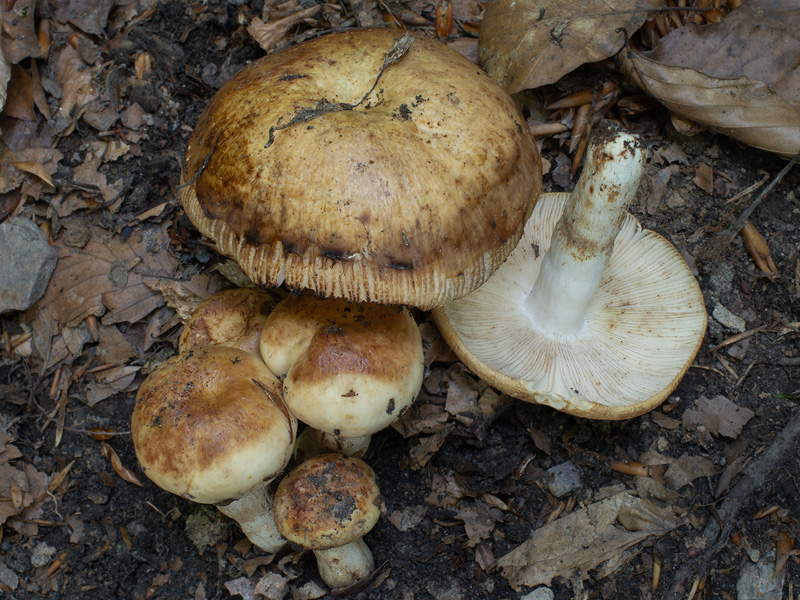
(327, 502)
(413, 195)
(208, 424)
(351, 369)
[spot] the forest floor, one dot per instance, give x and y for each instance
(470, 474)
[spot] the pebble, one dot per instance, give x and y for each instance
(42, 554)
(563, 479)
(28, 262)
(542, 593)
(8, 577)
(728, 319)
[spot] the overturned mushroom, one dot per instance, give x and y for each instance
(209, 425)
(350, 369)
(327, 504)
(590, 314)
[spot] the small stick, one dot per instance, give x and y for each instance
(736, 338)
(711, 251)
(756, 474)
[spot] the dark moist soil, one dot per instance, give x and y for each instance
(134, 541)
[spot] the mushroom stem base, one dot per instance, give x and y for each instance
(343, 566)
(313, 442)
(253, 512)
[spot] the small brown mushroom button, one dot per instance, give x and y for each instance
(349, 369)
(209, 425)
(327, 504)
(363, 168)
(228, 318)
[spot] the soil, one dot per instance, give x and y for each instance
(119, 540)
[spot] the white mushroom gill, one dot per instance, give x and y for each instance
(590, 314)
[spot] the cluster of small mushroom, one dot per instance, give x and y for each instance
(408, 182)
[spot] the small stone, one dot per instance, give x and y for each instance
(42, 554)
(542, 593)
(28, 262)
(676, 200)
(563, 479)
(725, 317)
(8, 577)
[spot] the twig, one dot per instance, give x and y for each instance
(203, 166)
(756, 473)
(711, 251)
(398, 49)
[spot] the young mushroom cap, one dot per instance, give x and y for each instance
(228, 318)
(350, 369)
(408, 191)
(209, 425)
(600, 319)
(327, 504)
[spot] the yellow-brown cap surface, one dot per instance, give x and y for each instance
(209, 424)
(327, 502)
(351, 368)
(415, 195)
(228, 318)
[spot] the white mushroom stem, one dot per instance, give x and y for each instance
(356, 446)
(253, 512)
(345, 565)
(313, 442)
(573, 267)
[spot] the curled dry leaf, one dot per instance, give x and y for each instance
(120, 469)
(271, 35)
(525, 44)
(586, 538)
(740, 77)
(5, 76)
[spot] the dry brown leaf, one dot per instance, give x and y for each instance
(271, 35)
(109, 382)
(19, 103)
(77, 88)
(21, 490)
(408, 518)
(525, 44)
(19, 38)
(102, 278)
(88, 174)
(584, 539)
(35, 168)
(479, 521)
(427, 447)
(5, 77)
(7, 451)
(120, 469)
(87, 15)
(740, 77)
(686, 469)
(718, 415)
(704, 178)
(12, 176)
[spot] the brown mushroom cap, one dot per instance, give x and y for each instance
(415, 195)
(351, 369)
(228, 318)
(327, 502)
(208, 424)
